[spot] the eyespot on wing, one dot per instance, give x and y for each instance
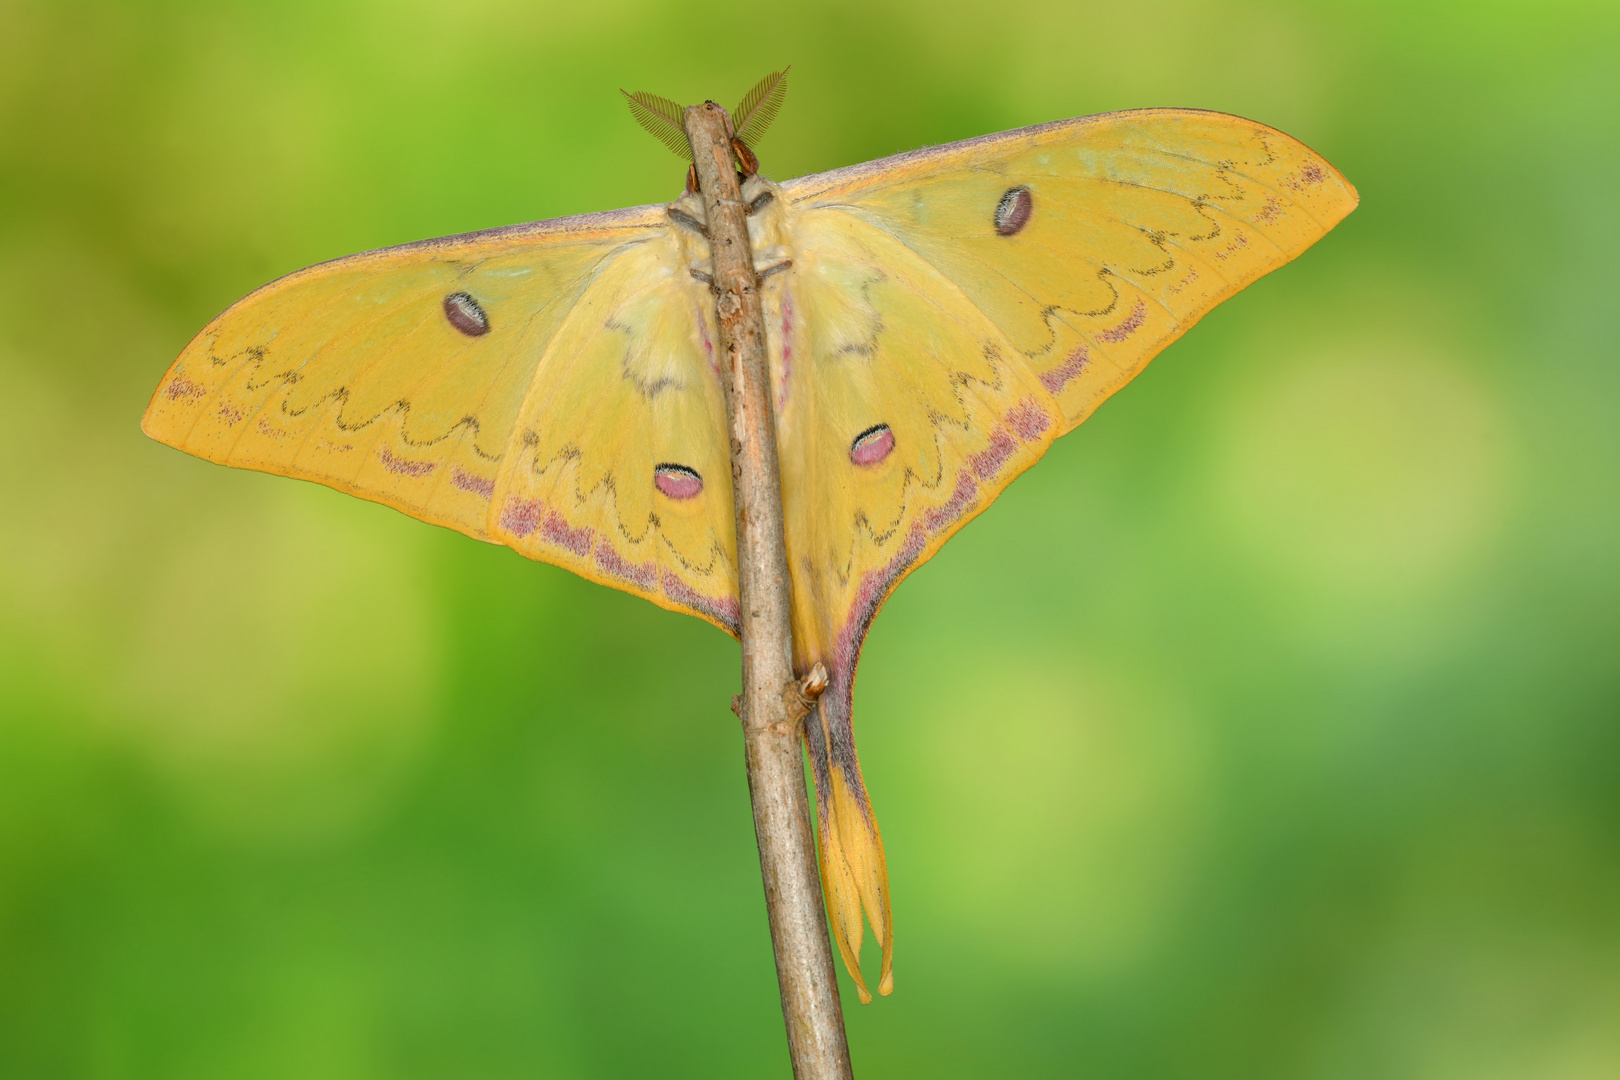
(678, 481)
(466, 314)
(1012, 212)
(872, 445)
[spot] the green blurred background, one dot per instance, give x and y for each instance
(1269, 728)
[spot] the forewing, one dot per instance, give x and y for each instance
(1094, 243)
(354, 373)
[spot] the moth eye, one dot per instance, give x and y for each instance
(1012, 212)
(465, 314)
(678, 481)
(872, 445)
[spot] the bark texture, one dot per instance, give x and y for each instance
(771, 730)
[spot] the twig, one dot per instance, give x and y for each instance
(771, 732)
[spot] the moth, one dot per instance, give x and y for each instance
(935, 319)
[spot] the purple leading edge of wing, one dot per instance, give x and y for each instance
(629, 219)
(806, 187)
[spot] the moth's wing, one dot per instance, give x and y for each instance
(354, 374)
(1137, 224)
(903, 412)
(981, 298)
(350, 373)
(619, 468)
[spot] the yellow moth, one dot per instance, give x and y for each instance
(935, 319)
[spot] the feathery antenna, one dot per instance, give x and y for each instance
(760, 106)
(663, 118)
(667, 120)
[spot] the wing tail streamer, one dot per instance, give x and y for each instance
(854, 874)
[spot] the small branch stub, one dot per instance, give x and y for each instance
(800, 696)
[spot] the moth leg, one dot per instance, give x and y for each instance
(745, 157)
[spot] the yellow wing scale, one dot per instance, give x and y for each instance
(935, 320)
